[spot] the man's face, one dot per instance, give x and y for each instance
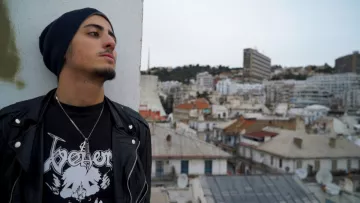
(92, 49)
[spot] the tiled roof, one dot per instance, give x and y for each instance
(200, 103)
(181, 145)
(261, 134)
(240, 125)
(222, 125)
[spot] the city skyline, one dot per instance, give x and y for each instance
(216, 32)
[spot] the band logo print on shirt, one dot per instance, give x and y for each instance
(82, 177)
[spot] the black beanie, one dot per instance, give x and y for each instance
(56, 37)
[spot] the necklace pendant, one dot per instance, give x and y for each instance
(84, 147)
(87, 148)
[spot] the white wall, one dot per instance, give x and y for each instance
(219, 167)
(250, 142)
(196, 166)
(30, 17)
(292, 163)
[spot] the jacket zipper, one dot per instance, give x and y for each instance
(145, 184)
(12, 190)
(132, 171)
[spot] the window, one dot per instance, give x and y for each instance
(280, 163)
(207, 137)
(159, 168)
(317, 165)
(185, 166)
(271, 160)
(298, 164)
(208, 167)
(334, 165)
(348, 164)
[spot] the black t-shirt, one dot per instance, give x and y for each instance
(68, 177)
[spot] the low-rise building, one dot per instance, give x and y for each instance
(220, 112)
(291, 150)
(173, 154)
(191, 110)
(229, 137)
(244, 108)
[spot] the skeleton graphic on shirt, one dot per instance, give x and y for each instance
(82, 178)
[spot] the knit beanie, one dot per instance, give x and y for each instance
(56, 37)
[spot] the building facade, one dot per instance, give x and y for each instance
(340, 86)
(257, 66)
(205, 81)
(290, 150)
(174, 154)
(348, 63)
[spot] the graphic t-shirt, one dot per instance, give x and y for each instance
(69, 175)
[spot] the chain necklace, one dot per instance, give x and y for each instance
(85, 144)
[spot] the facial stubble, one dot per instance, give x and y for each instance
(106, 73)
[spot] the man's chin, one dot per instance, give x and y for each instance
(105, 73)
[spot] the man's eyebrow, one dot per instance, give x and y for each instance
(101, 28)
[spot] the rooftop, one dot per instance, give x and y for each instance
(255, 189)
(200, 103)
(178, 146)
(312, 146)
(222, 125)
(261, 134)
(317, 107)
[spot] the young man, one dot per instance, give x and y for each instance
(74, 144)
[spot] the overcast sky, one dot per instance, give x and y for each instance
(214, 32)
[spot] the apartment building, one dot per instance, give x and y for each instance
(348, 63)
(257, 66)
(205, 81)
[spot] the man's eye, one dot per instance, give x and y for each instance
(94, 34)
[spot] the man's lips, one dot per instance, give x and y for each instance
(108, 55)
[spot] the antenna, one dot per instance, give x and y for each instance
(182, 180)
(148, 68)
(323, 176)
(302, 173)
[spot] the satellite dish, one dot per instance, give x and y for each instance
(182, 180)
(348, 185)
(302, 173)
(323, 176)
(332, 189)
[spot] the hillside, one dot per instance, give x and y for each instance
(185, 73)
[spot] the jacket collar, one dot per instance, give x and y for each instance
(35, 111)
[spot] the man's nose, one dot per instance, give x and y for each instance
(109, 42)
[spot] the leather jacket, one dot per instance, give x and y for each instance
(22, 160)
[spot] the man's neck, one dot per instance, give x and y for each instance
(78, 90)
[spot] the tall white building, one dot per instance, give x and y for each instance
(168, 87)
(344, 87)
(205, 81)
(229, 87)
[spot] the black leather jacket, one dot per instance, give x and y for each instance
(21, 152)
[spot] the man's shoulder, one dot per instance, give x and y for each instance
(20, 107)
(132, 113)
